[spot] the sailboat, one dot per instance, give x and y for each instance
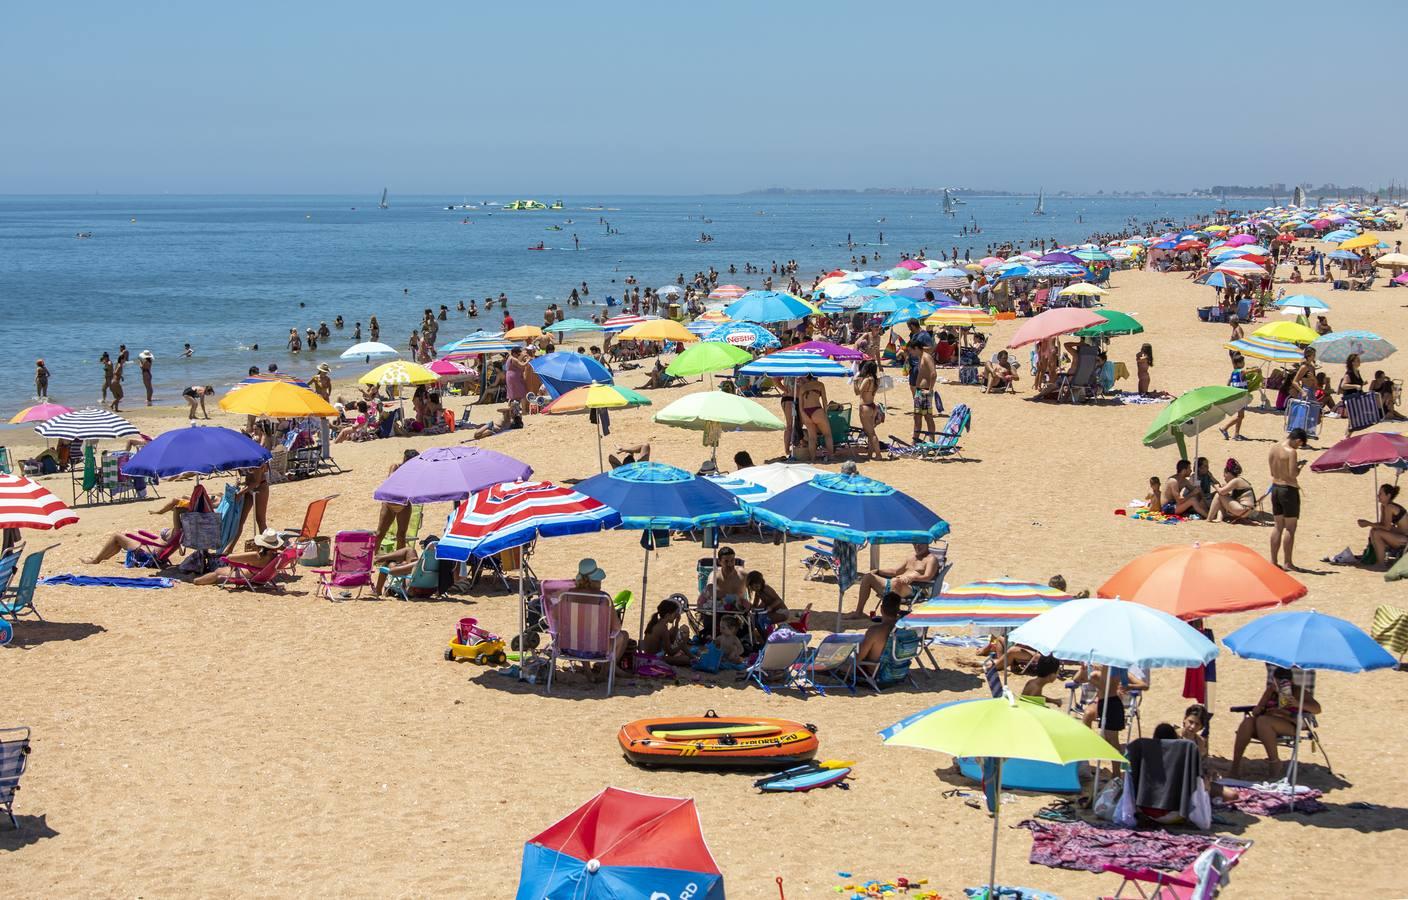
(382, 204)
(1040, 203)
(1298, 196)
(948, 203)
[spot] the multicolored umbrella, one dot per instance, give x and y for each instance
(758, 483)
(1192, 581)
(829, 350)
(961, 317)
(1337, 346)
(991, 603)
(515, 513)
(624, 321)
(622, 844)
(564, 370)
(41, 412)
(481, 342)
(728, 292)
(1267, 349)
(273, 376)
(788, 364)
(27, 504)
(596, 396)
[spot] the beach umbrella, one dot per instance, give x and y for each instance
(1341, 234)
(515, 514)
(1193, 413)
(1115, 633)
(1090, 256)
(850, 508)
(670, 290)
(652, 496)
(479, 343)
(450, 370)
(767, 306)
(273, 376)
(1337, 346)
(198, 450)
(398, 373)
(40, 412)
(1267, 350)
(743, 334)
(1363, 453)
(1058, 256)
(624, 321)
(1053, 322)
(960, 317)
(1116, 323)
(523, 333)
(990, 603)
(1307, 641)
(998, 729)
(728, 292)
(713, 412)
(622, 844)
(886, 303)
(87, 425)
(829, 350)
(1363, 240)
(1192, 581)
(1301, 301)
(276, 400)
(563, 370)
(1084, 289)
(916, 312)
(594, 397)
(28, 504)
(707, 356)
(774, 478)
(1346, 255)
(896, 285)
(448, 474)
(787, 364)
(570, 326)
(1392, 261)
(370, 350)
(840, 290)
(991, 261)
(1220, 279)
(658, 330)
(1291, 332)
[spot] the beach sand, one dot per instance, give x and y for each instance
(201, 742)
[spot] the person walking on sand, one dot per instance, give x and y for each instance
(1285, 495)
(144, 362)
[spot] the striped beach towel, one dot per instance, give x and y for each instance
(1390, 629)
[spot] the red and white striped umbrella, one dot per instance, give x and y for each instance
(622, 322)
(25, 504)
(516, 513)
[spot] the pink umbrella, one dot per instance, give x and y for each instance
(1401, 279)
(910, 264)
(1238, 240)
(41, 412)
(829, 350)
(1321, 224)
(449, 369)
(1363, 451)
(1054, 322)
(990, 261)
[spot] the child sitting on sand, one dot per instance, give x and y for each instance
(728, 640)
(665, 637)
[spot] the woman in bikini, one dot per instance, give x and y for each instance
(811, 398)
(1236, 498)
(1390, 532)
(865, 387)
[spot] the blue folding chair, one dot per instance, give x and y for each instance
(21, 598)
(14, 752)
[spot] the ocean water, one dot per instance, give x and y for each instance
(226, 273)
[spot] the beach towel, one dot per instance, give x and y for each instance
(1257, 802)
(153, 581)
(1083, 847)
(1144, 514)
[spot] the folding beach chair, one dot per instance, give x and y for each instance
(9, 563)
(352, 555)
(820, 559)
(1309, 731)
(834, 657)
(243, 575)
(15, 601)
(425, 576)
(1362, 409)
(778, 664)
(901, 650)
(1390, 629)
(1202, 879)
(312, 523)
(160, 549)
(388, 541)
(583, 628)
(14, 753)
(6, 463)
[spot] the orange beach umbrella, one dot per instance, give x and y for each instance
(1191, 581)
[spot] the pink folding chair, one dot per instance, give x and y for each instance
(243, 575)
(1202, 879)
(584, 629)
(352, 556)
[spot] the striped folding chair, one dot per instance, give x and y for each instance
(1362, 409)
(583, 628)
(14, 753)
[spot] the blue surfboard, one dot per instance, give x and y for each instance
(803, 781)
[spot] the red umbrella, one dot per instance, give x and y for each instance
(1197, 580)
(1362, 452)
(25, 504)
(1285, 238)
(1191, 245)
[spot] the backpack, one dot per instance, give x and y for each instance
(899, 654)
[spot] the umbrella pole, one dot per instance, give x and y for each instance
(522, 614)
(1294, 772)
(714, 577)
(1104, 698)
(996, 811)
(600, 466)
(644, 580)
(784, 566)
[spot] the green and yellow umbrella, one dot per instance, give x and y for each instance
(998, 729)
(596, 396)
(708, 356)
(714, 412)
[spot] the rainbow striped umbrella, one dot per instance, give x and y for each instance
(1268, 349)
(596, 396)
(992, 603)
(41, 412)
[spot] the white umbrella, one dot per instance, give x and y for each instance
(370, 350)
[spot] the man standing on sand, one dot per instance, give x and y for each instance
(1285, 494)
(923, 376)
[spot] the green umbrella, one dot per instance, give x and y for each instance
(569, 325)
(998, 729)
(1194, 412)
(713, 412)
(1116, 323)
(708, 356)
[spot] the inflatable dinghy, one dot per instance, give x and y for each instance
(711, 740)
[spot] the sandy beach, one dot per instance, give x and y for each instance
(204, 742)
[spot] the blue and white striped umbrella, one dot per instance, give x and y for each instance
(86, 425)
(481, 342)
(700, 327)
(788, 364)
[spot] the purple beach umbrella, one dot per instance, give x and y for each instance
(449, 474)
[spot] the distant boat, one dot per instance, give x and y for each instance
(382, 204)
(557, 205)
(1298, 198)
(1040, 203)
(948, 203)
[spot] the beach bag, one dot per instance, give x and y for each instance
(967, 374)
(201, 530)
(1108, 800)
(710, 660)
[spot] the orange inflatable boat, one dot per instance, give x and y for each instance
(712, 740)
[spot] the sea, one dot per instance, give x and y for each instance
(229, 274)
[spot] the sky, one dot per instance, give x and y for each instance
(549, 98)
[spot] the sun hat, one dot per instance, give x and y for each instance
(145, 354)
(324, 368)
(269, 539)
(589, 570)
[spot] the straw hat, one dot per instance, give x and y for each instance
(269, 539)
(324, 368)
(145, 354)
(589, 570)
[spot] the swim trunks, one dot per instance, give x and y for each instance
(1285, 501)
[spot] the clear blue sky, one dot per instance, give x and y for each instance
(551, 98)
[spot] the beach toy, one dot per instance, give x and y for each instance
(806, 777)
(711, 740)
(476, 644)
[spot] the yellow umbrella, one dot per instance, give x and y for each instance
(658, 330)
(523, 333)
(1364, 240)
(277, 399)
(1084, 289)
(1293, 332)
(398, 372)
(959, 316)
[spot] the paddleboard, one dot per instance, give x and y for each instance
(804, 781)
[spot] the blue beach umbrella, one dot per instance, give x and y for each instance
(850, 508)
(743, 334)
(1219, 280)
(789, 364)
(918, 311)
(1115, 633)
(885, 303)
(1308, 640)
(767, 306)
(199, 450)
(1301, 301)
(563, 370)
